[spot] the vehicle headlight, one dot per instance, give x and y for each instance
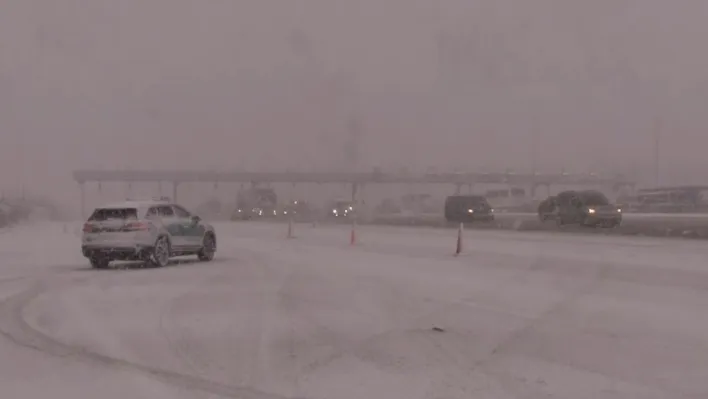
(334, 211)
(470, 211)
(619, 210)
(351, 208)
(590, 210)
(491, 210)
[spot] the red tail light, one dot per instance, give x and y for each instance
(88, 227)
(136, 226)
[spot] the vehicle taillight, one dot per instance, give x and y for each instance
(88, 228)
(136, 226)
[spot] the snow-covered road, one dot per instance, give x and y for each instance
(523, 315)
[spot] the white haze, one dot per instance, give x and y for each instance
(271, 85)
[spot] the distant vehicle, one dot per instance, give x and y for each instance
(587, 208)
(342, 209)
(148, 230)
(256, 203)
(468, 208)
(15, 211)
(679, 199)
(548, 209)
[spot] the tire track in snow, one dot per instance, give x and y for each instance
(15, 328)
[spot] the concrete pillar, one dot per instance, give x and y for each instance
(175, 184)
(355, 188)
(458, 188)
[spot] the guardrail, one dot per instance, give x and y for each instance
(658, 225)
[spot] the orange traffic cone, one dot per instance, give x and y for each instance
(458, 250)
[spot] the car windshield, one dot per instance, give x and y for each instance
(476, 201)
(469, 201)
(100, 215)
(593, 199)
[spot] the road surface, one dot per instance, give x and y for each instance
(518, 315)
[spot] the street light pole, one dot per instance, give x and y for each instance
(657, 143)
(534, 148)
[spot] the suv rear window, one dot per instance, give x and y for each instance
(100, 215)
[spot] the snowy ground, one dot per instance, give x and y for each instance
(524, 315)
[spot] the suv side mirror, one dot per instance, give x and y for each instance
(196, 219)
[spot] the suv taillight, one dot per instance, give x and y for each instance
(136, 226)
(88, 228)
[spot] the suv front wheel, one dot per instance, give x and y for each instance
(208, 248)
(99, 263)
(160, 255)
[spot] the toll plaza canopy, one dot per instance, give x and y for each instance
(83, 176)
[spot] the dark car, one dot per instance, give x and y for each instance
(467, 208)
(255, 203)
(244, 213)
(587, 208)
(342, 209)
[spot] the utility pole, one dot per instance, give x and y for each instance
(657, 142)
(534, 148)
(353, 145)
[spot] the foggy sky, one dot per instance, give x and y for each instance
(266, 84)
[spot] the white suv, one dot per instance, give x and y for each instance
(151, 231)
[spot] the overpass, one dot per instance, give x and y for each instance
(356, 179)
